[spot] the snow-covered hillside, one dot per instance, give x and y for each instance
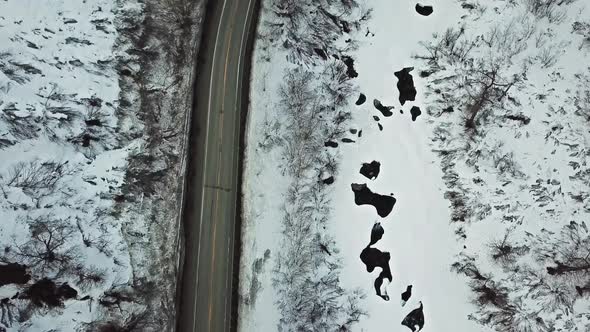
(87, 226)
(485, 159)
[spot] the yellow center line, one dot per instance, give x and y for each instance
(217, 180)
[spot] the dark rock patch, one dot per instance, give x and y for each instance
(401, 111)
(467, 6)
(349, 62)
(372, 258)
(329, 180)
(371, 170)
(361, 100)
(331, 144)
(424, 10)
(347, 140)
(406, 295)
(415, 111)
(364, 196)
(46, 293)
(380, 127)
(376, 118)
(353, 131)
(360, 133)
(405, 85)
(13, 273)
(321, 53)
(385, 110)
(415, 318)
(376, 233)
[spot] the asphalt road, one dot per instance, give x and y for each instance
(212, 178)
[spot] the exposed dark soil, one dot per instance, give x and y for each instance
(331, 144)
(372, 258)
(380, 127)
(415, 318)
(424, 10)
(376, 233)
(45, 292)
(415, 111)
(405, 85)
(13, 273)
(364, 196)
(385, 110)
(371, 170)
(329, 180)
(406, 295)
(349, 62)
(361, 100)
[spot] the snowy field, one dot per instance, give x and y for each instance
(489, 181)
(83, 241)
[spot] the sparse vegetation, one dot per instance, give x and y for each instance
(503, 79)
(313, 104)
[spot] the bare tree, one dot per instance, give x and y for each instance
(485, 87)
(50, 250)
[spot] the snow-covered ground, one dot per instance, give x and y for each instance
(76, 132)
(518, 167)
(417, 232)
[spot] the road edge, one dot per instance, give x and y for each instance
(252, 34)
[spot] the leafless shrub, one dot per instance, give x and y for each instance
(20, 127)
(505, 163)
(514, 317)
(9, 312)
(181, 12)
(550, 9)
(88, 276)
(582, 98)
(37, 179)
(505, 252)
(548, 56)
(135, 322)
(336, 83)
(271, 134)
(568, 254)
(304, 26)
(509, 39)
(450, 48)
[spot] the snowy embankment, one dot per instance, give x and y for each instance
(94, 97)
